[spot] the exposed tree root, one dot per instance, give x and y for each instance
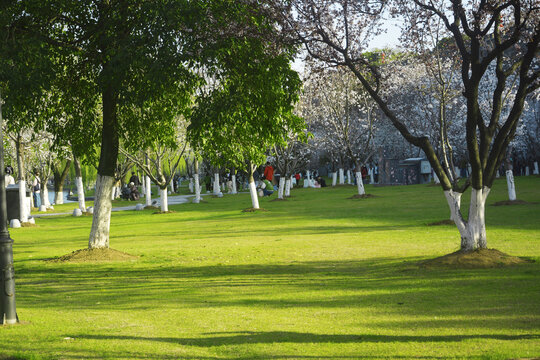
(364, 196)
(254, 210)
(95, 255)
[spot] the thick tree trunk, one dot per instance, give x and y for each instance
(281, 188)
(341, 177)
(101, 221)
(164, 200)
(148, 191)
(511, 186)
(59, 178)
(472, 231)
(334, 178)
(288, 183)
(359, 183)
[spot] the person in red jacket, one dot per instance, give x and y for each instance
(269, 172)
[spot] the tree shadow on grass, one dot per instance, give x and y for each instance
(271, 337)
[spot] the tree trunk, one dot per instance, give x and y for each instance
(371, 179)
(349, 177)
(190, 186)
(216, 184)
(197, 181)
(281, 187)
(79, 183)
(163, 200)
(288, 187)
(341, 177)
(472, 231)
(334, 178)
(59, 178)
(511, 186)
(23, 211)
(253, 192)
(535, 171)
(101, 221)
(359, 183)
(306, 180)
(45, 193)
(233, 179)
(148, 191)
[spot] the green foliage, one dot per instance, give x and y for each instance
(248, 107)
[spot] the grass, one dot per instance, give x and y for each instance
(318, 276)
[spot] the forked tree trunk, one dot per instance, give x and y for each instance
(341, 177)
(334, 178)
(148, 191)
(360, 184)
(473, 230)
(288, 183)
(164, 200)
(511, 186)
(281, 188)
(101, 221)
(253, 192)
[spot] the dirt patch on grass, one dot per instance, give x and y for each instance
(250, 210)
(163, 212)
(478, 259)
(364, 196)
(95, 255)
(29, 225)
(278, 199)
(442, 222)
(151, 207)
(511, 202)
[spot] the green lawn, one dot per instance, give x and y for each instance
(319, 276)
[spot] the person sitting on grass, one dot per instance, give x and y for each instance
(266, 186)
(134, 192)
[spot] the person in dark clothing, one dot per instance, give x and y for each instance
(321, 181)
(134, 192)
(134, 179)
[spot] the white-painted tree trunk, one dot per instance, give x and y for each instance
(23, 206)
(306, 180)
(143, 190)
(163, 200)
(80, 193)
(58, 197)
(101, 220)
(341, 177)
(172, 185)
(527, 171)
(233, 179)
(472, 231)
(292, 179)
(349, 180)
(497, 174)
(281, 188)
(511, 186)
(216, 184)
(288, 183)
(536, 171)
(191, 189)
(359, 183)
(253, 193)
(148, 191)
(45, 197)
(334, 178)
(371, 178)
(197, 188)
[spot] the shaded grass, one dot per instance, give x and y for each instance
(317, 276)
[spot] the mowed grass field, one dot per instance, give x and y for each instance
(318, 276)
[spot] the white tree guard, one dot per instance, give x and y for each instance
(288, 184)
(535, 171)
(101, 220)
(511, 185)
(341, 177)
(80, 193)
(45, 196)
(253, 193)
(349, 180)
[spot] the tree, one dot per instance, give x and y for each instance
(336, 32)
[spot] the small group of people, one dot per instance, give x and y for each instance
(131, 191)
